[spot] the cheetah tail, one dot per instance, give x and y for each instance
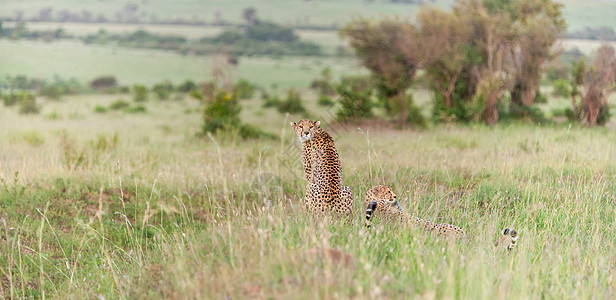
(514, 237)
(369, 211)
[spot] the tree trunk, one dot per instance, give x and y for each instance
(576, 114)
(403, 112)
(592, 110)
(516, 93)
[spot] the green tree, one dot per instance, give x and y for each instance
(537, 25)
(387, 47)
(599, 82)
(444, 40)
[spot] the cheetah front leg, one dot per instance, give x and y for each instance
(346, 196)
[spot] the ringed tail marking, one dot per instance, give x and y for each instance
(369, 211)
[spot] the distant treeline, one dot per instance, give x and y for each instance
(602, 33)
(260, 38)
(133, 14)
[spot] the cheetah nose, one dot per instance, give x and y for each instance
(306, 132)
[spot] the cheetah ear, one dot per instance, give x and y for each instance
(293, 124)
(317, 123)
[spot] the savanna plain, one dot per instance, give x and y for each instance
(135, 206)
(118, 205)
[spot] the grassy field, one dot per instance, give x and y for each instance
(578, 13)
(327, 39)
(133, 206)
(322, 13)
(72, 59)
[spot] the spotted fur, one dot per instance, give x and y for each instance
(388, 207)
(381, 199)
(323, 172)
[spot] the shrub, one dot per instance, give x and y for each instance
(540, 98)
(271, 101)
(325, 100)
(135, 109)
(570, 114)
(140, 93)
(293, 103)
(50, 91)
(104, 83)
(163, 90)
(187, 86)
(561, 88)
(119, 104)
(221, 114)
(355, 102)
(60, 87)
(100, 109)
(10, 99)
(323, 84)
(244, 89)
(27, 103)
(533, 113)
(222, 111)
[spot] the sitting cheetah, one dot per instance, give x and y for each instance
(382, 199)
(324, 189)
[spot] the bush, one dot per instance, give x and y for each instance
(325, 100)
(60, 87)
(140, 93)
(162, 90)
(355, 102)
(540, 98)
(119, 104)
(271, 101)
(293, 103)
(27, 103)
(570, 114)
(323, 84)
(135, 109)
(533, 113)
(414, 116)
(561, 88)
(221, 114)
(244, 89)
(187, 86)
(100, 109)
(10, 99)
(104, 83)
(50, 91)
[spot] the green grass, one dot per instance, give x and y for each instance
(323, 13)
(72, 59)
(327, 39)
(134, 206)
(578, 13)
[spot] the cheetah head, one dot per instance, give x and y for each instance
(384, 197)
(305, 129)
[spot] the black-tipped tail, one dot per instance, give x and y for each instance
(369, 211)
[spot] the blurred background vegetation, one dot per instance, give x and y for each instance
(480, 61)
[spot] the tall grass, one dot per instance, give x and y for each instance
(137, 210)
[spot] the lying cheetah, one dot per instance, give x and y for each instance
(382, 199)
(324, 189)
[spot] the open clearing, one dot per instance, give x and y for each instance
(74, 59)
